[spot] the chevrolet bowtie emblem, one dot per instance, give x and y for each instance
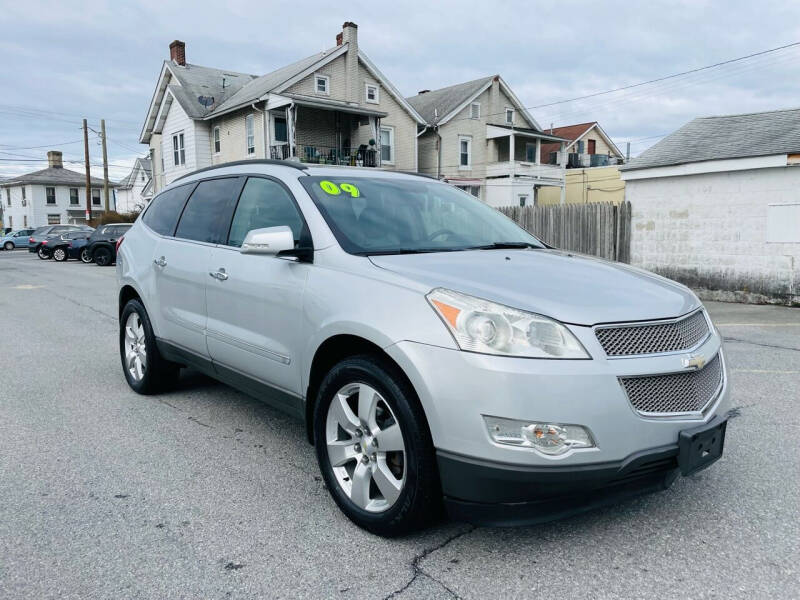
(694, 361)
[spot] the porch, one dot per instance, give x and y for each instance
(328, 132)
(515, 152)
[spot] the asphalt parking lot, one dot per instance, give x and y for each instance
(206, 493)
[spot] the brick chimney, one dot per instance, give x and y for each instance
(350, 37)
(177, 52)
(54, 160)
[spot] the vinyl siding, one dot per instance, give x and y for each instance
(233, 136)
(335, 70)
(178, 121)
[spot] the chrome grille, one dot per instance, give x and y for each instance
(652, 338)
(674, 392)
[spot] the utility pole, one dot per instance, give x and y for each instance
(88, 172)
(105, 162)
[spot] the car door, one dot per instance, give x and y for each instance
(255, 301)
(181, 263)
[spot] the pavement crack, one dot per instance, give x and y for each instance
(199, 422)
(763, 345)
(417, 571)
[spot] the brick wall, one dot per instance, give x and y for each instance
(709, 231)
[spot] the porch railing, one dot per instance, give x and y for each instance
(329, 155)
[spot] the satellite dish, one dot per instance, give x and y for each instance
(206, 100)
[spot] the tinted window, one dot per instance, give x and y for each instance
(264, 203)
(205, 211)
(119, 230)
(163, 213)
(41, 231)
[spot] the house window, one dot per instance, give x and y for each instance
(11, 221)
(23, 192)
(372, 93)
(322, 84)
(475, 110)
(24, 220)
(50, 193)
(510, 116)
(54, 219)
(387, 145)
(216, 140)
(580, 146)
(250, 131)
(464, 152)
(8, 196)
(530, 152)
(178, 151)
(523, 200)
(95, 197)
(73, 197)
(281, 134)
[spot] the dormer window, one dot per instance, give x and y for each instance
(372, 93)
(322, 84)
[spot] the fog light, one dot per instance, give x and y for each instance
(549, 438)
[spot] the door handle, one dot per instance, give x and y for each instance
(219, 275)
(160, 262)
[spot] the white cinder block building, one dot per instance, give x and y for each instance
(51, 196)
(716, 205)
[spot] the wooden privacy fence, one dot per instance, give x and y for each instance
(602, 229)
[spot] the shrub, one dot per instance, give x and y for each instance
(113, 217)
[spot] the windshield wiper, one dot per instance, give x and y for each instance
(407, 251)
(504, 246)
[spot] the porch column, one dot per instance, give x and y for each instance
(290, 111)
(512, 164)
(538, 151)
(267, 131)
(563, 162)
(377, 137)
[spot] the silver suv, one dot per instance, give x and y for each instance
(438, 354)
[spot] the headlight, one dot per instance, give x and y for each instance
(482, 326)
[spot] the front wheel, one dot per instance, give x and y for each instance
(102, 257)
(8, 245)
(374, 447)
(43, 253)
(146, 371)
(60, 254)
(85, 256)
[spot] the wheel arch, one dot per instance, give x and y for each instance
(335, 349)
(127, 293)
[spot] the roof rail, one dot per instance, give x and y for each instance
(249, 161)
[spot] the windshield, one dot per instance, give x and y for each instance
(393, 216)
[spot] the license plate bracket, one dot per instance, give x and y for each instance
(701, 446)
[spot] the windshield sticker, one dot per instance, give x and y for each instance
(332, 189)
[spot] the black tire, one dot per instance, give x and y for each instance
(8, 245)
(159, 374)
(102, 256)
(420, 501)
(86, 258)
(43, 253)
(60, 254)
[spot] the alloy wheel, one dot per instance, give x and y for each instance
(9, 245)
(85, 256)
(135, 350)
(365, 447)
(59, 254)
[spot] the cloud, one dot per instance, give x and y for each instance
(65, 60)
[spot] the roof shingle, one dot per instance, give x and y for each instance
(433, 106)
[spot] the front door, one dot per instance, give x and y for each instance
(255, 302)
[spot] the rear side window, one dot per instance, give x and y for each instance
(264, 203)
(203, 217)
(162, 215)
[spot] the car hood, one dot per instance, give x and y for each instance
(572, 288)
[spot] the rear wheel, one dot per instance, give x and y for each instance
(85, 256)
(60, 254)
(146, 371)
(102, 257)
(374, 448)
(8, 245)
(43, 253)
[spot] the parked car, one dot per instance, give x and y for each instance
(41, 233)
(68, 245)
(15, 239)
(435, 350)
(102, 245)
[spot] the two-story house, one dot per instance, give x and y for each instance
(50, 196)
(334, 107)
(135, 190)
(479, 137)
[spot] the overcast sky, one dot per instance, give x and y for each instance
(60, 61)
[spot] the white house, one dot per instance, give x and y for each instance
(136, 189)
(50, 196)
(334, 107)
(479, 137)
(716, 205)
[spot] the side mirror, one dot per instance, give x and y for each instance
(269, 240)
